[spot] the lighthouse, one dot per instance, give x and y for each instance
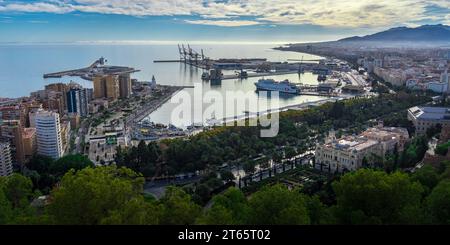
(153, 84)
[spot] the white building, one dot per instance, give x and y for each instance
(396, 77)
(445, 79)
(347, 153)
(437, 87)
(444, 76)
(48, 134)
(5, 159)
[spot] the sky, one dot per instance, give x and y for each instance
(209, 20)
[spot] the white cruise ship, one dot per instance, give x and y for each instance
(272, 85)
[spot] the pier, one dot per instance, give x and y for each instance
(98, 68)
(258, 74)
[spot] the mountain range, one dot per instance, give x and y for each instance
(425, 33)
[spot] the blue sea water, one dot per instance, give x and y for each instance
(22, 67)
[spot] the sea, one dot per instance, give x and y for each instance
(22, 67)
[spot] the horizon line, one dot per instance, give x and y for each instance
(161, 42)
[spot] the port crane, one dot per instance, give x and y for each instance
(190, 56)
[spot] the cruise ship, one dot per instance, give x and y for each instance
(272, 85)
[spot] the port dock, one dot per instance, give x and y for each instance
(98, 68)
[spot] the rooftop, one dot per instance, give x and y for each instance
(431, 113)
(28, 132)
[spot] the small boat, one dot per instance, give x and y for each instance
(205, 76)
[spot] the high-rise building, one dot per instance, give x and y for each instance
(30, 107)
(14, 112)
(48, 134)
(65, 134)
(106, 87)
(29, 142)
(125, 85)
(77, 101)
(11, 132)
(58, 101)
(5, 159)
(445, 79)
(55, 101)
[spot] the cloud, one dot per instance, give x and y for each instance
(228, 23)
(340, 13)
(38, 22)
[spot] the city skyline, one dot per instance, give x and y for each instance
(195, 20)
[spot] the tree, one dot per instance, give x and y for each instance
(249, 167)
(178, 208)
(15, 196)
(229, 208)
(442, 149)
(433, 130)
(318, 212)
(290, 152)
(276, 205)
(217, 215)
(337, 110)
(226, 176)
(427, 176)
(135, 212)
(6, 210)
(46, 172)
(18, 190)
(64, 164)
(368, 196)
(438, 203)
(96, 195)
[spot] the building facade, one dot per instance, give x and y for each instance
(424, 118)
(29, 142)
(125, 86)
(348, 153)
(6, 168)
(78, 101)
(48, 134)
(11, 132)
(107, 87)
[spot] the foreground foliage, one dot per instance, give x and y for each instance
(114, 195)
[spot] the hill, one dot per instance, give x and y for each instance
(425, 33)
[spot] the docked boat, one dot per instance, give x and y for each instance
(205, 76)
(272, 85)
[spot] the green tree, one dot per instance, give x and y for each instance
(18, 190)
(135, 212)
(178, 208)
(438, 203)
(442, 149)
(6, 211)
(433, 130)
(318, 212)
(368, 196)
(249, 167)
(229, 208)
(64, 164)
(427, 176)
(93, 195)
(226, 176)
(276, 205)
(217, 215)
